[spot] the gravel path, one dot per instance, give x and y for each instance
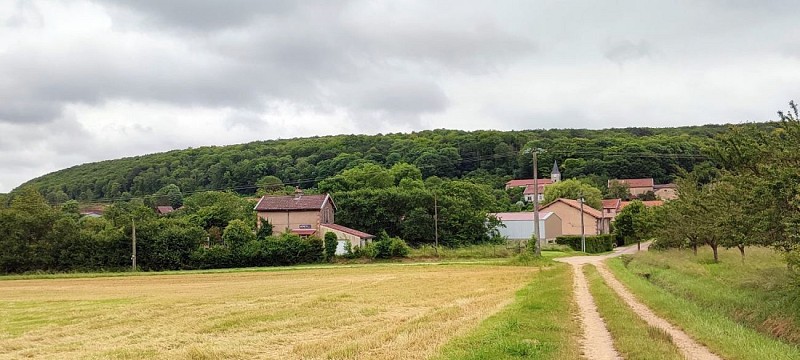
(688, 347)
(597, 341)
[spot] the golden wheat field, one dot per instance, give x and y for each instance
(371, 312)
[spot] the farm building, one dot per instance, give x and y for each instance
(519, 225)
(307, 215)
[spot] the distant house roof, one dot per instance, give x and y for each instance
(521, 216)
(527, 182)
(665, 186)
(634, 183)
(348, 230)
(577, 205)
(529, 188)
(163, 210)
(611, 203)
(650, 203)
(293, 202)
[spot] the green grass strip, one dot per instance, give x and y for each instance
(537, 325)
(633, 338)
(707, 325)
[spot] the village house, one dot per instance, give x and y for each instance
(611, 207)
(519, 225)
(638, 187)
(307, 215)
(569, 211)
(528, 193)
(666, 191)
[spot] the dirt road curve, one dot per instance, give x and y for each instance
(597, 341)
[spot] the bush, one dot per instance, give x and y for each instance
(215, 257)
(331, 241)
(398, 248)
(594, 244)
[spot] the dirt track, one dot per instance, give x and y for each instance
(597, 341)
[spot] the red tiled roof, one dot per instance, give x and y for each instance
(292, 203)
(527, 182)
(304, 232)
(575, 204)
(611, 203)
(665, 186)
(649, 203)
(164, 209)
(520, 216)
(634, 183)
(529, 189)
(348, 230)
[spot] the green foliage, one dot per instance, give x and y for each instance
(618, 190)
(236, 235)
(574, 189)
(265, 230)
(169, 195)
(331, 241)
(594, 244)
(634, 223)
(442, 153)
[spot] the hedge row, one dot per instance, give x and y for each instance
(594, 244)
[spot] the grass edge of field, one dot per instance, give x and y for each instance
(721, 334)
(316, 266)
(633, 337)
(540, 324)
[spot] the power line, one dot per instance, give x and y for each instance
(464, 160)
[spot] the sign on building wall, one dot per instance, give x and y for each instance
(305, 226)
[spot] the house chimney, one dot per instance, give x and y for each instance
(298, 192)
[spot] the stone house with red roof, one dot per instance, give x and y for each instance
(569, 211)
(635, 186)
(306, 215)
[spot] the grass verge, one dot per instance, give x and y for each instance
(633, 337)
(538, 325)
(707, 324)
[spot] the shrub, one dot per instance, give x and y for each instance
(331, 241)
(398, 248)
(594, 244)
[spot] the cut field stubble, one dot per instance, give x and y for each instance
(391, 312)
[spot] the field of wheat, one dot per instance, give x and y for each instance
(371, 312)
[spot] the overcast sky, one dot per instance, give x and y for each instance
(88, 80)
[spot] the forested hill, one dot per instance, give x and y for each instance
(489, 155)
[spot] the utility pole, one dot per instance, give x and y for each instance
(536, 202)
(436, 223)
(133, 243)
(583, 230)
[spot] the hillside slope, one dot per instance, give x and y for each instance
(493, 155)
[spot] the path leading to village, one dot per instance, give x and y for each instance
(597, 342)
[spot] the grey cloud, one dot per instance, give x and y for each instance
(401, 97)
(25, 14)
(206, 15)
(623, 51)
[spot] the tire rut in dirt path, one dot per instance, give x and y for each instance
(688, 347)
(597, 342)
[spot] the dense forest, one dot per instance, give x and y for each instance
(492, 156)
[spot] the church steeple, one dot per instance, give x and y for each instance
(555, 175)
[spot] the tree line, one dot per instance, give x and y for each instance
(752, 197)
